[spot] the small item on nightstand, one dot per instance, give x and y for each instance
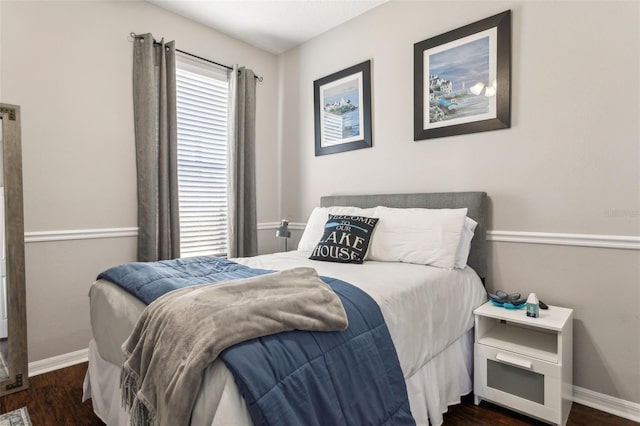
(532, 306)
(542, 305)
(507, 301)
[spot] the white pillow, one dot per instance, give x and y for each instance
(464, 247)
(315, 225)
(422, 236)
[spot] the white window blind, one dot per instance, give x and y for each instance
(202, 106)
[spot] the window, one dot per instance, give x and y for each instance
(202, 106)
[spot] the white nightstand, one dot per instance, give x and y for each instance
(525, 364)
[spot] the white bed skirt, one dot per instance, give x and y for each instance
(439, 383)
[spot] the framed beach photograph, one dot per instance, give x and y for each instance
(342, 107)
(462, 80)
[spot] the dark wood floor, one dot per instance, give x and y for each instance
(487, 414)
(53, 399)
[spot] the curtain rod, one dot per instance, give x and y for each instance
(135, 36)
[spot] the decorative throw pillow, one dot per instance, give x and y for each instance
(345, 239)
(315, 225)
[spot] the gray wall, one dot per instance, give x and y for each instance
(569, 164)
(568, 169)
(68, 65)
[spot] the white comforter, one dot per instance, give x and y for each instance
(425, 308)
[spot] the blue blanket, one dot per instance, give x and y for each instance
(149, 280)
(350, 377)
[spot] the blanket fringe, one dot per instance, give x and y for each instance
(138, 411)
(129, 386)
(139, 414)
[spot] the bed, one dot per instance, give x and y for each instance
(428, 313)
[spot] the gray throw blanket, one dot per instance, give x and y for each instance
(184, 331)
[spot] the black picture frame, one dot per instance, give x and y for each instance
(443, 115)
(334, 118)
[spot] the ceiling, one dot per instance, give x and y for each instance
(271, 25)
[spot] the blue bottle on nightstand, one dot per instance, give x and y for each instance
(533, 310)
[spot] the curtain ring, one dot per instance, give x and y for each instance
(133, 37)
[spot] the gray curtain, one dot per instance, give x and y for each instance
(154, 105)
(242, 220)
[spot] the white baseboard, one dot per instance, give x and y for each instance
(57, 362)
(608, 404)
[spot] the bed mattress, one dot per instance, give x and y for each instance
(426, 309)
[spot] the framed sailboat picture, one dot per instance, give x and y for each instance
(462, 80)
(342, 108)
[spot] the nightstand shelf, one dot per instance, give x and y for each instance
(534, 343)
(525, 363)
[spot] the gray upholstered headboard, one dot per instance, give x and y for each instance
(476, 202)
